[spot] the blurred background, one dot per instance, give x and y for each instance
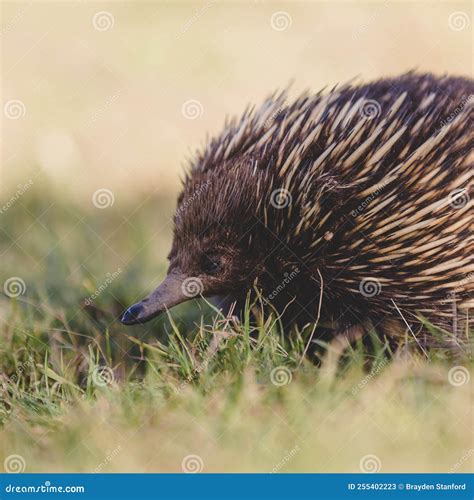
(115, 95)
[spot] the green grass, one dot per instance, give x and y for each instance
(81, 392)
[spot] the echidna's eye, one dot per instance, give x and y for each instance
(210, 265)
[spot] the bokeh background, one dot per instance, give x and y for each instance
(117, 94)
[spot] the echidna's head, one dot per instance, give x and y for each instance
(216, 247)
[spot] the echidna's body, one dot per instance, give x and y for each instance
(354, 203)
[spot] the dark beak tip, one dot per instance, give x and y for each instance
(132, 315)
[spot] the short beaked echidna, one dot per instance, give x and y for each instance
(351, 205)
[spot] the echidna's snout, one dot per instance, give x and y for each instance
(170, 293)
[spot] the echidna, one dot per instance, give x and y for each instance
(351, 204)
